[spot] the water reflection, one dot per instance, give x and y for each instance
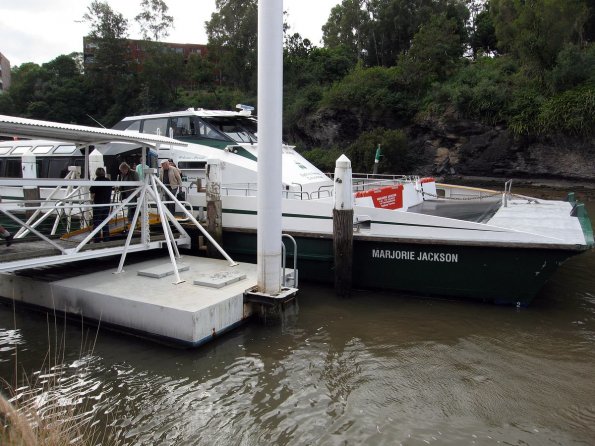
(378, 368)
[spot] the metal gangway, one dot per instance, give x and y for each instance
(67, 209)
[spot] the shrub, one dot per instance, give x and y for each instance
(324, 159)
(396, 158)
(570, 113)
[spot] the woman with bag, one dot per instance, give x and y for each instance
(171, 178)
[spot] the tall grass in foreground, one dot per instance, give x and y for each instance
(46, 408)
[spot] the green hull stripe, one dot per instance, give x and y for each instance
(583, 218)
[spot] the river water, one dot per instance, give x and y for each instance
(374, 369)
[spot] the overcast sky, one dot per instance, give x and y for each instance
(40, 30)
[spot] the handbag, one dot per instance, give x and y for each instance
(181, 195)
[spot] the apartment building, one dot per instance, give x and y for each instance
(136, 50)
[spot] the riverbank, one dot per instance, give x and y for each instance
(498, 183)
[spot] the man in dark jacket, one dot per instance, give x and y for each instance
(101, 195)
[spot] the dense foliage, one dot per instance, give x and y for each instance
(526, 65)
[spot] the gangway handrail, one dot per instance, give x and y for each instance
(295, 277)
(139, 197)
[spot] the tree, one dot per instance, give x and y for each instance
(64, 91)
(435, 52)
(378, 31)
(105, 23)
(110, 77)
(306, 64)
(535, 31)
(483, 35)
(232, 34)
(53, 91)
(347, 26)
(199, 71)
(26, 81)
(154, 20)
(163, 72)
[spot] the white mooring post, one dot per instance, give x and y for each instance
(30, 192)
(95, 161)
(343, 226)
(270, 113)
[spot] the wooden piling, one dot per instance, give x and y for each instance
(343, 250)
(343, 226)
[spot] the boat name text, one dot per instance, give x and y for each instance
(423, 256)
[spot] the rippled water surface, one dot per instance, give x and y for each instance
(375, 369)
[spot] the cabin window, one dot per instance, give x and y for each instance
(206, 131)
(80, 162)
(13, 169)
(20, 150)
(5, 150)
(192, 165)
(181, 126)
(41, 164)
(239, 129)
(155, 126)
(64, 150)
(42, 149)
(133, 127)
(58, 167)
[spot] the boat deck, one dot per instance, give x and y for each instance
(551, 219)
(478, 211)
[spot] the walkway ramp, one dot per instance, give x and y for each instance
(24, 254)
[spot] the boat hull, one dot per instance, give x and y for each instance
(498, 274)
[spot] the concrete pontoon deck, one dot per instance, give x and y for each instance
(149, 305)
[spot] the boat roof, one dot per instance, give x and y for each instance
(200, 112)
(78, 134)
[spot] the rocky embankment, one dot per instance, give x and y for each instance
(463, 148)
(466, 148)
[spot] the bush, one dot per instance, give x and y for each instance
(574, 66)
(395, 160)
(569, 113)
(324, 159)
(217, 99)
(480, 90)
(371, 91)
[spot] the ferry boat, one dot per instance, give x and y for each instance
(411, 234)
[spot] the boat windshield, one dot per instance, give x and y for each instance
(238, 128)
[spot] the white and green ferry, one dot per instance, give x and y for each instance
(410, 234)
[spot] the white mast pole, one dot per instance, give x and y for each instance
(270, 110)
